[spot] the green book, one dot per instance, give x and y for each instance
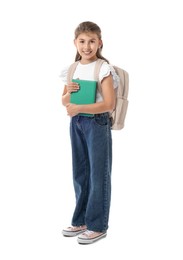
(86, 93)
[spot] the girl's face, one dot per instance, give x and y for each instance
(87, 45)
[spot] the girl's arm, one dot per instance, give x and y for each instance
(65, 97)
(106, 105)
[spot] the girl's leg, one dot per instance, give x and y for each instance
(99, 144)
(80, 164)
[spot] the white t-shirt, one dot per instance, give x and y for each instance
(86, 72)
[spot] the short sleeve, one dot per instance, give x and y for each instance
(63, 74)
(106, 70)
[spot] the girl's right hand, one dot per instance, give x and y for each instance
(72, 87)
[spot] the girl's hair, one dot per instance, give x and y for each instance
(86, 27)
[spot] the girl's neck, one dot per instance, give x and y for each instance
(84, 61)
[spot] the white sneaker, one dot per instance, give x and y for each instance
(73, 231)
(89, 237)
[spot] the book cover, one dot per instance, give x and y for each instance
(86, 93)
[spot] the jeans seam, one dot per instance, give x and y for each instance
(106, 185)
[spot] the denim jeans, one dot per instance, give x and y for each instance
(92, 162)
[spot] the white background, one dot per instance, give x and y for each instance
(36, 195)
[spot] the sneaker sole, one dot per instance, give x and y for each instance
(66, 233)
(91, 240)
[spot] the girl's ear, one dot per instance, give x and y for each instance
(100, 44)
(75, 42)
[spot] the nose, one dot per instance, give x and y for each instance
(86, 45)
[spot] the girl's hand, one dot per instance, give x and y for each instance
(72, 109)
(72, 87)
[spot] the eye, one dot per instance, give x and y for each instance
(81, 41)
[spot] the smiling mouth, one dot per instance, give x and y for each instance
(87, 52)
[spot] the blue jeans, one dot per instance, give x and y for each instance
(92, 162)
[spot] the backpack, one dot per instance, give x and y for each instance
(118, 115)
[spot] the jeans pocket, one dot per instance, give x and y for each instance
(101, 120)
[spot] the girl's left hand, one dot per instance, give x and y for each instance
(72, 109)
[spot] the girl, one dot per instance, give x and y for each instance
(90, 138)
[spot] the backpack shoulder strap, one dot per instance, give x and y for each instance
(96, 73)
(71, 70)
(98, 65)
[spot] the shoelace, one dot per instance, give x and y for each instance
(88, 232)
